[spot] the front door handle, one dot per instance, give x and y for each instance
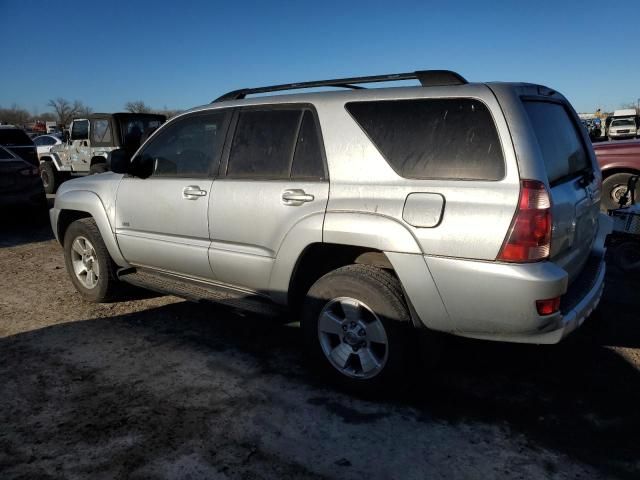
(193, 192)
(296, 196)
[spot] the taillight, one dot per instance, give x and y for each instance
(30, 172)
(547, 307)
(529, 238)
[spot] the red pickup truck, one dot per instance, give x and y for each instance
(618, 160)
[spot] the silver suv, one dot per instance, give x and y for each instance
(466, 208)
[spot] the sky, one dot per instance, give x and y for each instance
(179, 54)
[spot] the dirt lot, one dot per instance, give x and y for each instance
(157, 387)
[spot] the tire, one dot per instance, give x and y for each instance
(613, 187)
(98, 168)
(627, 256)
(84, 248)
(50, 177)
(337, 310)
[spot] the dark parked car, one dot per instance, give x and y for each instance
(618, 161)
(20, 183)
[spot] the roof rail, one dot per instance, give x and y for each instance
(427, 78)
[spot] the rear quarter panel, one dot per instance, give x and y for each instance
(477, 214)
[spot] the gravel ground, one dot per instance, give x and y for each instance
(157, 387)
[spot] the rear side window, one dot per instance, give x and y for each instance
(307, 160)
(562, 148)
(14, 136)
(101, 131)
(264, 143)
(434, 138)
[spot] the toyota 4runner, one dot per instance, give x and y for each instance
(466, 208)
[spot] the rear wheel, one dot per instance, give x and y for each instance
(356, 326)
(98, 168)
(89, 265)
(50, 178)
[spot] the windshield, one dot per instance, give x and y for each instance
(624, 122)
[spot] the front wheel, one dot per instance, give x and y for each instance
(49, 176)
(89, 265)
(356, 327)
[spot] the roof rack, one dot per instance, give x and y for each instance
(427, 78)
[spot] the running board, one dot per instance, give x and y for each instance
(196, 291)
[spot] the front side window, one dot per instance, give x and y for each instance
(449, 138)
(190, 147)
(101, 131)
(80, 130)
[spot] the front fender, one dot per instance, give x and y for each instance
(88, 202)
(55, 159)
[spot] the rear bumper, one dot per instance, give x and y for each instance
(553, 328)
(497, 301)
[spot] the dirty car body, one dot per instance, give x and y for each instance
(450, 224)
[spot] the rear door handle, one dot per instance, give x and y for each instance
(296, 196)
(193, 192)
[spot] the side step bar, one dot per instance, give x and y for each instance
(200, 292)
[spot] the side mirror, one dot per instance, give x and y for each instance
(118, 161)
(141, 166)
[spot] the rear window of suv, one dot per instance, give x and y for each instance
(449, 138)
(562, 148)
(14, 137)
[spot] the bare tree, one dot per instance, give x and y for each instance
(631, 104)
(82, 109)
(137, 107)
(63, 109)
(66, 111)
(15, 115)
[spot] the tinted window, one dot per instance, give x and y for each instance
(188, 148)
(44, 141)
(561, 146)
(4, 155)
(307, 160)
(263, 143)
(101, 131)
(136, 129)
(80, 130)
(14, 136)
(434, 138)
